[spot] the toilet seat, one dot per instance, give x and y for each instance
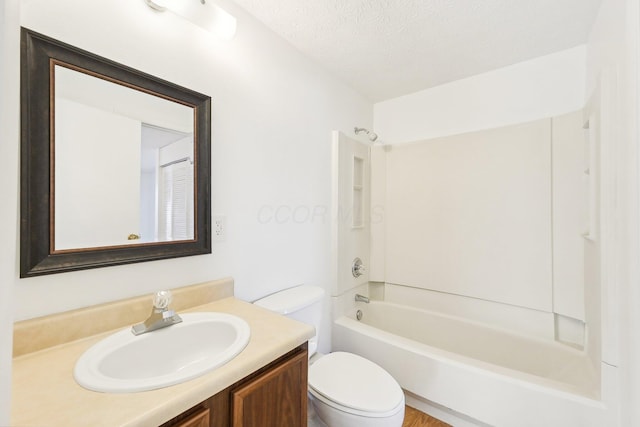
(355, 385)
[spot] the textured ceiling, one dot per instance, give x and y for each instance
(388, 48)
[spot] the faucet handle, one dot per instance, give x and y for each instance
(162, 299)
(357, 268)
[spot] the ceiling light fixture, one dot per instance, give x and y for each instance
(202, 13)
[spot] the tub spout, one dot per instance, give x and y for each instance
(362, 298)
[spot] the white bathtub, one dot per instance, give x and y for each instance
(492, 376)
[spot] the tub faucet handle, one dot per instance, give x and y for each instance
(357, 268)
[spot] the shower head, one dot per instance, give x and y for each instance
(371, 135)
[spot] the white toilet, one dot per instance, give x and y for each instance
(346, 390)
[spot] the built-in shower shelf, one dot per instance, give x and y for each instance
(358, 192)
(588, 236)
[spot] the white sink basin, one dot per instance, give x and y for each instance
(123, 362)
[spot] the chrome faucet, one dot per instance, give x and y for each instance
(362, 298)
(161, 315)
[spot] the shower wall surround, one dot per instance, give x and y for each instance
(469, 215)
(496, 215)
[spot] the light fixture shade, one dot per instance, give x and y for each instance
(203, 13)
(225, 23)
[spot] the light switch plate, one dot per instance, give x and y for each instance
(219, 228)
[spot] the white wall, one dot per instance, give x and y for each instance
(9, 152)
(612, 75)
(134, 104)
(95, 144)
(273, 113)
(543, 87)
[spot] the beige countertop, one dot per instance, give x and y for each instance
(45, 394)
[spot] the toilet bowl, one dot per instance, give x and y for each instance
(346, 390)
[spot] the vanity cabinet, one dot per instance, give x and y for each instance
(274, 396)
(200, 418)
(277, 397)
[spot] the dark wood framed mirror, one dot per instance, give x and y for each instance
(115, 163)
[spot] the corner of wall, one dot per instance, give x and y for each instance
(538, 88)
(9, 152)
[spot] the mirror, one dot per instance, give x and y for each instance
(115, 163)
(141, 142)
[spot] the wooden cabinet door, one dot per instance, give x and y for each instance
(198, 419)
(276, 398)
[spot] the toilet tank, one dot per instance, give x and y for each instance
(302, 303)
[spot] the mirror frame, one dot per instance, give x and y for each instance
(39, 54)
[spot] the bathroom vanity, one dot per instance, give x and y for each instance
(273, 396)
(264, 385)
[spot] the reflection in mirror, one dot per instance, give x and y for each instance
(115, 164)
(134, 152)
(166, 202)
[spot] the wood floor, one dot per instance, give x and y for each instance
(415, 418)
(412, 418)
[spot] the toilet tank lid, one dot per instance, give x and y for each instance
(292, 299)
